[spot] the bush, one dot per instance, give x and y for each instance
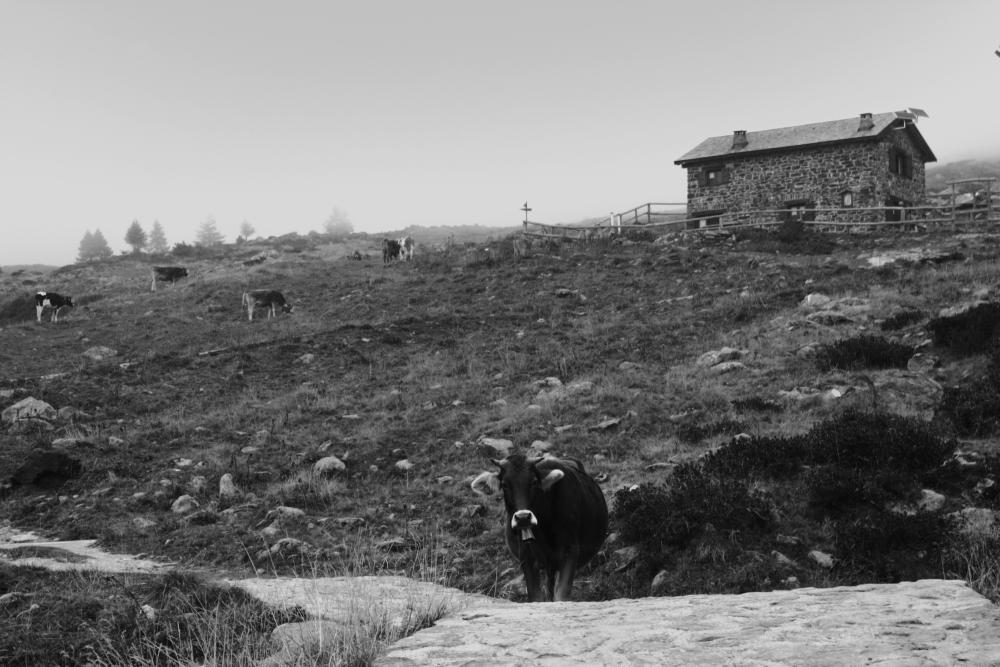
(774, 457)
(881, 546)
(657, 517)
(756, 404)
(692, 432)
(865, 351)
(901, 319)
(974, 408)
(971, 332)
(871, 441)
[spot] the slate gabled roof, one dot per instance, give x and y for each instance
(801, 136)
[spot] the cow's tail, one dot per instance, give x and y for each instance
(152, 288)
(245, 302)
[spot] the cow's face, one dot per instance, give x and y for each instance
(69, 301)
(287, 307)
(524, 489)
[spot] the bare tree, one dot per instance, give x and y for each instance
(246, 229)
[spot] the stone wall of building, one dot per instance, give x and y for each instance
(818, 175)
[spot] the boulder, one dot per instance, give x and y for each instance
(28, 408)
(328, 465)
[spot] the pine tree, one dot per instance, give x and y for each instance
(339, 223)
(208, 234)
(136, 237)
(93, 247)
(157, 239)
(86, 247)
(101, 248)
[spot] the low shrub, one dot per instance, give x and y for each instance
(971, 332)
(889, 547)
(901, 319)
(865, 351)
(673, 515)
(692, 432)
(870, 441)
(769, 456)
(974, 407)
(756, 404)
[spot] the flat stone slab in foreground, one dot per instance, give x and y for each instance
(929, 622)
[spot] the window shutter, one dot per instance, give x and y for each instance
(907, 165)
(702, 179)
(893, 165)
(724, 175)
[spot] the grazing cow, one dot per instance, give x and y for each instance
(557, 518)
(51, 300)
(390, 250)
(169, 274)
(405, 248)
(265, 298)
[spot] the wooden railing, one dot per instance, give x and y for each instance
(669, 218)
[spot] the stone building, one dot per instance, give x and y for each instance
(875, 160)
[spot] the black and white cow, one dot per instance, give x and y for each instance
(405, 248)
(390, 250)
(557, 519)
(265, 298)
(51, 300)
(169, 274)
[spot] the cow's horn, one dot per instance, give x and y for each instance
(535, 461)
(499, 462)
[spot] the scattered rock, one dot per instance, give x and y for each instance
(99, 353)
(822, 559)
(28, 408)
(328, 465)
(227, 488)
(184, 504)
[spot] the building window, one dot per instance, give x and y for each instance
(847, 199)
(900, 163)
(892, 213)
(800, 209)
(703, 219)
(713, 175)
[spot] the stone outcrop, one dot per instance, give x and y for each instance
(930, 622)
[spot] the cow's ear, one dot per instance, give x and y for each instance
(486, 483)
(550, 480)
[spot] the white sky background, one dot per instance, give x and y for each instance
(437, 112)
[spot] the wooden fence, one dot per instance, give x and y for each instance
(660, 218)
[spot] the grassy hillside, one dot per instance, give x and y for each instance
(405, 372)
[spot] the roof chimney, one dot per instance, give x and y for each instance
(866, 122)
(739, 139)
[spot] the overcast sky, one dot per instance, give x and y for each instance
(435, 112)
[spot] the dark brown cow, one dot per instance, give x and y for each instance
(390, 250)
(557, 519)
(169, 274)
(51, 300)
(265, 298)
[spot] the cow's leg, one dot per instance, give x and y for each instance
(38, 312)
(533, 582)
(152, 288)
(564, 580)
(55, 314)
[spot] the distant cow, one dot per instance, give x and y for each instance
(390, 250)
(51, 300)
(557, 518)
(405, 248)
(169, 274)
(265, 298)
